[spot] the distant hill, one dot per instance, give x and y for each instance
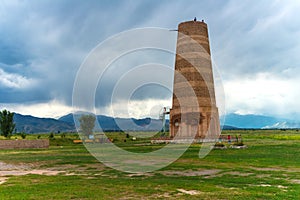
(226, 127)
(30, 124)
(259, 122)
(119, 124)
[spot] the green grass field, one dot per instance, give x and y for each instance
(268, 169)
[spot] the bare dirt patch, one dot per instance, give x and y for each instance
(35, 171)
(235, 173)
(140, 175)
(190, 192)
(265, 169)
(268, 185)
(5, 166)
(3, 180)
(297, 181)
(275, 169)
(203, 172)
(22, 169)
(263, 175)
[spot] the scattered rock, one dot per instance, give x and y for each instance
(190, 192)
(238, 147)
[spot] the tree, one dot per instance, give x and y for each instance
(7, 124)
(87, 123)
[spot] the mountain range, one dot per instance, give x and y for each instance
(30, 124)
(260, 122)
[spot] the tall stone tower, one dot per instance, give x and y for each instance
(193, 69)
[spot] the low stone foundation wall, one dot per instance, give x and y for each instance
(24, 144)
(182, 141)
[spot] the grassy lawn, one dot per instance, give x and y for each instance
(268, 169)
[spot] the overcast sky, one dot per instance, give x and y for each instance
(255, 46)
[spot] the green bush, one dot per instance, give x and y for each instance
(23, 135)
(115, 140)
(239, 143)
(219, 144)
(51, 136)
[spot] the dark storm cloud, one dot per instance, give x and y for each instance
(122, 67)
(50, 39)
(43, 43)
(256, 37)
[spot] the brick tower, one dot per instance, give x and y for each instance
(193, 69)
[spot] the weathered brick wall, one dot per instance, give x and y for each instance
(24, 144)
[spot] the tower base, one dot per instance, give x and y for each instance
(203, 124)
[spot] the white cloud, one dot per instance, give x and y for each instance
(50, 109)
(264, 93)
(136, 108)
(14, 81)
(55, 109)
